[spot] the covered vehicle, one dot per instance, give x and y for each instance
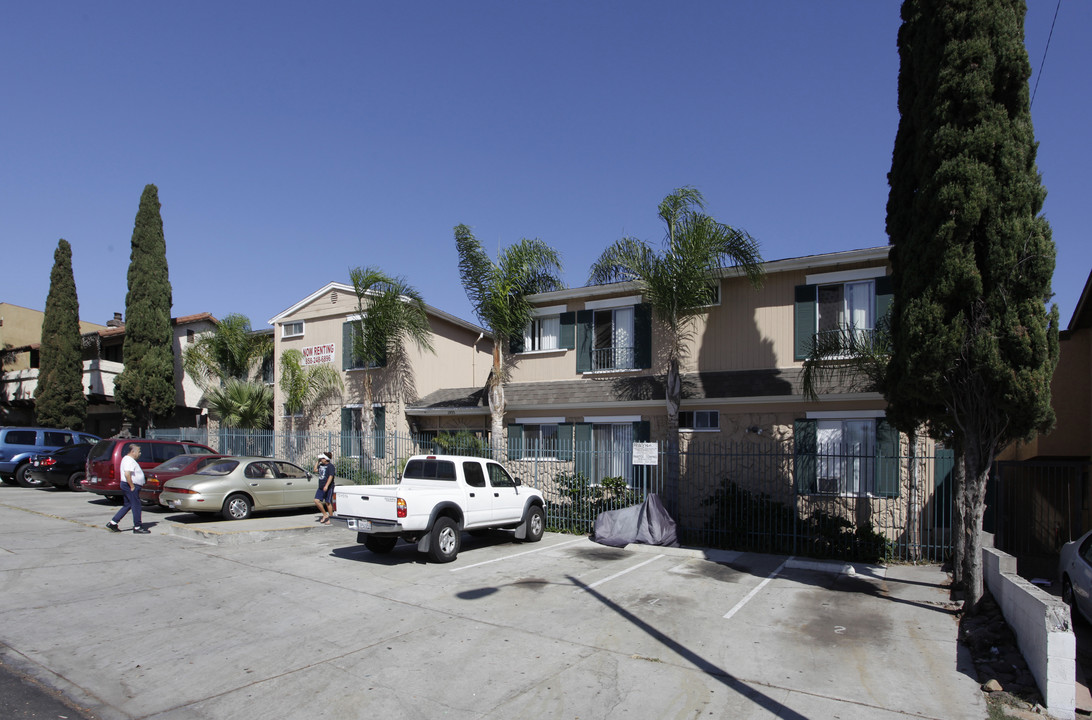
(1075, 571)
(179, 465)
(647, 523)
(237, 486)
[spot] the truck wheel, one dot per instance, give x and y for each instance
(536, 523)
(444, 541)
(380, 545)
(236, 507)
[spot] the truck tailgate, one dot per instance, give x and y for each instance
(377, 502)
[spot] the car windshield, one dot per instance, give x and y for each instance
(178, 462)
(220, 468)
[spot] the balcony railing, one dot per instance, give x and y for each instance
(613, 358)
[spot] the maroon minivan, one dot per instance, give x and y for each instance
(104, 460)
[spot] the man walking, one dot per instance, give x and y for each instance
(132, 479)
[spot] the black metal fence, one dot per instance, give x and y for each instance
(736, 496)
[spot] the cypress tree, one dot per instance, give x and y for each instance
(59, 400)
(144, 390)
(974, 346)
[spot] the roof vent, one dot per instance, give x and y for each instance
(333, 297)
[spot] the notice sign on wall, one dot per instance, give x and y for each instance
(318, 354)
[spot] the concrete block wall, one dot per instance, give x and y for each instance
(1043, 630)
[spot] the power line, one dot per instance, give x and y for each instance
(1043, 61)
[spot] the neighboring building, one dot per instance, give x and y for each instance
(102, 362)
(21, 327)
(321, 327)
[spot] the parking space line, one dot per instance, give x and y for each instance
(616, 575)
(754, 592)
(509, 557)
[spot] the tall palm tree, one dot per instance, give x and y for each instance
(498, 292)
(679, 284)
(391, 314)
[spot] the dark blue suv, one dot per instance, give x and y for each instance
(19, 444)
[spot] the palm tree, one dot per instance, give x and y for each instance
(391, 314)
(231, 351)
(679, 284)
(241, 404)
(498, 292)
(305, 386)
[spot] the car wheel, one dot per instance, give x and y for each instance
(444, 541)
(24, 478)
(76, 482)
(380, 544)
(1069, 599)
(236, 507)
(536, 523)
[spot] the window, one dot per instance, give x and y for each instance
(350, 359)
(543, 334)
(835, 303)
(499, 477)
(699, 420)
(612, 447)
(292, 329)
(613, 347)
(848, 456)
(540, 440)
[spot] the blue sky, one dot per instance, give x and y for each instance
(293, 141)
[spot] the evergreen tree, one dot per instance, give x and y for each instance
(144, 390)
(59, 401)
(974, 347)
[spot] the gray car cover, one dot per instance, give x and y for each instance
(647, 523)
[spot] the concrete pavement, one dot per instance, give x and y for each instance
(280, 617)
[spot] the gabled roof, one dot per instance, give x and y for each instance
(351, 291)
(1082, 316)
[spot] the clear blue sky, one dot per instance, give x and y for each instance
(292, 141)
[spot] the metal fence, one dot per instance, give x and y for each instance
(736, 496)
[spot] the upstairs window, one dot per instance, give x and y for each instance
(846, 307)
(833, 304)
(292, 330)
(614, 345)
(543, 334)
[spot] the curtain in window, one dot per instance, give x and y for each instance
(623, 337)
(859, 305)
(613, 446)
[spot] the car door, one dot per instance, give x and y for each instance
(507, 502)
(297, 484)
(263, 484)
(479, 496)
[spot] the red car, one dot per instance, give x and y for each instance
(175, 467)
(104, 462)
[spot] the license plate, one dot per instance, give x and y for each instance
(355, 524)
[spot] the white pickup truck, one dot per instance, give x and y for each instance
(438, 497)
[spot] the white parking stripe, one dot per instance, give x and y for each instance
(617, 574)
(509, 557)
(754, 592)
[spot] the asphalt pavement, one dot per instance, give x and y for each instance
(280, 617)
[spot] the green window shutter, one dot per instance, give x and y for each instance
(884, 293)
(805, 437)
(380, 432)
(887, 459)
(642, 335)
(584, 339)
(565, 442)
(346, 431)
(515, 441)
(568, 330)
(582, 449)
(346, 349)
(641, 431)
(944, 464)
(804, 321)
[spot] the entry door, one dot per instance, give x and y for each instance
(507, 502)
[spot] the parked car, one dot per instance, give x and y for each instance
(19, 444)
(64, 468)
(104, 461)
(177, 466)
(1075, 571)
(237, 486)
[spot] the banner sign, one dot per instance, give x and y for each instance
(319, 354)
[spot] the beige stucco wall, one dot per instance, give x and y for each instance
(21, 326)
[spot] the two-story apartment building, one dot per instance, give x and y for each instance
(321, 327)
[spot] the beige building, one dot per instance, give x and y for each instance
(320, 326)
(21, 327)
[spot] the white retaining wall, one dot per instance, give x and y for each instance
(1043, 631)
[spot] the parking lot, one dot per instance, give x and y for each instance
(279, 617)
